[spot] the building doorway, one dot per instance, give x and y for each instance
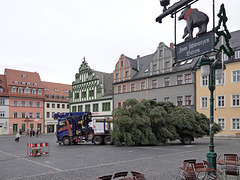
(15, 128)
(50, 128)
(1, 131)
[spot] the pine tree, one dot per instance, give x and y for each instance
(225, 33)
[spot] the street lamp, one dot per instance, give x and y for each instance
(164, 3)
(214, 70)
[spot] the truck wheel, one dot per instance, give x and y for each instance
(186, 140)
(98, 140)
(107, 140)
(66, 141)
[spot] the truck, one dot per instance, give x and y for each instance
(74, 128)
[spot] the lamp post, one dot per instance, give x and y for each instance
(164, 3)
(214, 70)
(27, 120)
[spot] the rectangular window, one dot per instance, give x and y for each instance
(30, 114)
(38, 104)
(154, 83)
(188, 78)
(143, 86)
(53, 105)
(204, 102)
(188, 100)
(236, 76)
(15, 103)
(179, 80)
(38, 115)
(124, 88)
(225, 57)
(15, 114)
(87, 108)
(95, 107)
(235, 123)
(48, 114)
(30, 103)
(204, 80)
(84, 94)
(220, 101)
(154, 67)
(106, 106)
(2, 113)
(119, 104)
(80, 109)
(58, 105)
(76, 95)
(179, 101)
(237, 54)
(53, 114)
(166, 99)
(221, 122)
(119, 89)
(91, 93)
(2, 101)
(167, 65)
(235, 100)
(167, 82)
(63, 106)
(23, 114)
(133, 87)
(74, 109)
(48, 105)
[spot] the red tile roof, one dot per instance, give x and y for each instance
(22, 76)
(56, 89)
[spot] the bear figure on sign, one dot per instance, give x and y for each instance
(194, 18)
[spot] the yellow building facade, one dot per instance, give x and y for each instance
(226, 97)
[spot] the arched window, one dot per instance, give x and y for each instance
(27, 90)
(14, 90)
(39, 92)
(34, 91)
(20, 90)
(1, 89)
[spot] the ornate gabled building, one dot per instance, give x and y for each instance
(92, 92)
(156, 76)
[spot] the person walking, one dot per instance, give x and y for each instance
(37, 132)
(31, 132)
(17, 138)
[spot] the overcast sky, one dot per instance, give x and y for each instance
(51, 37)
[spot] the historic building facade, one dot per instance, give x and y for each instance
(227, 92)
(156, 76)
(24, 102)
(4, 106)
(56, 101)
(92, 92)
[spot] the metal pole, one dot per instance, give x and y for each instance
(211, 155)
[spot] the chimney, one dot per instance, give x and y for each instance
(138, 56)
(171, 45)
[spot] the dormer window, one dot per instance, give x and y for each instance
(23, 83)
(46, 89)
(66, 91)
(56, 90)
(24, 76)
(28, 83)
(1, 89)
(15, 82)
(39, 92)
(34, 91)
(35, 84)
(27, 90)
(14, 89)
(20, 90)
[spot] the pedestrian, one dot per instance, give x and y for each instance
(17, 137)
(31, 132)
(37, 132)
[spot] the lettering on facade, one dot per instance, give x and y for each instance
(195, 47)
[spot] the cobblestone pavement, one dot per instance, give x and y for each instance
(88, 161)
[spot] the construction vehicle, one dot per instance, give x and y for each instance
(74, 128)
